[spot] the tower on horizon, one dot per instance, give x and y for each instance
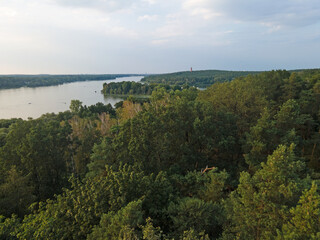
(191, 69)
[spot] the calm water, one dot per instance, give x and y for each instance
(33, 102)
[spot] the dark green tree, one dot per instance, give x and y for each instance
(16, 194)
(193, 213)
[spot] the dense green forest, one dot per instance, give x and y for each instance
(201, 79)
(134, 88)
(239, 160)
(16, 81)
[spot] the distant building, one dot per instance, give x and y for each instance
(191, 69)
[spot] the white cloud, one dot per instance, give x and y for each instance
(121, 32)
(160, 41)
(7, 12)
(285, 12)
(175, 25)
(105, 5)
(272, 27)
(148, 18)
(150, 1)
(201, 8)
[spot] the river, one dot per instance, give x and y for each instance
(33, 102)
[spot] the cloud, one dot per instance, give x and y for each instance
(104, 5)
(148, 18)
(7, 12)
(201, 8)
(150, 1)
(293, 13)
(160, 41)
(121, 32)
(104, 31)
(175, 25)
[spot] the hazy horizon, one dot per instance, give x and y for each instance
(153, 36)
(156, 73)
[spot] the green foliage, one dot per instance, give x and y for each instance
(150, 232)
(261, 203)
(288, 125)
(245, 98)
(75, 106)
(5, 123)
(305, 220)
(120, 225)
(74, 213)
(158, 194)
(9, 154)
(200, 79)
(92, 112)
(261, 140)
(191, 184)
(16, 193)
(9, 227)
(96, 109)
(38, 149)
(71, 216)
(148, 170)
(134, 88)
(125, 185)
(84, 135)
(193, 213)
(174, 133)
(99, 158)
(292, 87)
(215, 189)
(192, 235)
(4, 129)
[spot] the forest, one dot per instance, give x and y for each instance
(135, 88)
(17, 81)
(239, 160)
(200, 79)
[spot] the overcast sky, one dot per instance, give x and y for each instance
(156, 36)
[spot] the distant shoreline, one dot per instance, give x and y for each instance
(44, 80)
(127, 95)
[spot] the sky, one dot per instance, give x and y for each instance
(157, 36)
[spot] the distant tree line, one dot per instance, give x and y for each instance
(201, 79)
(16, 81)
(135, 88)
